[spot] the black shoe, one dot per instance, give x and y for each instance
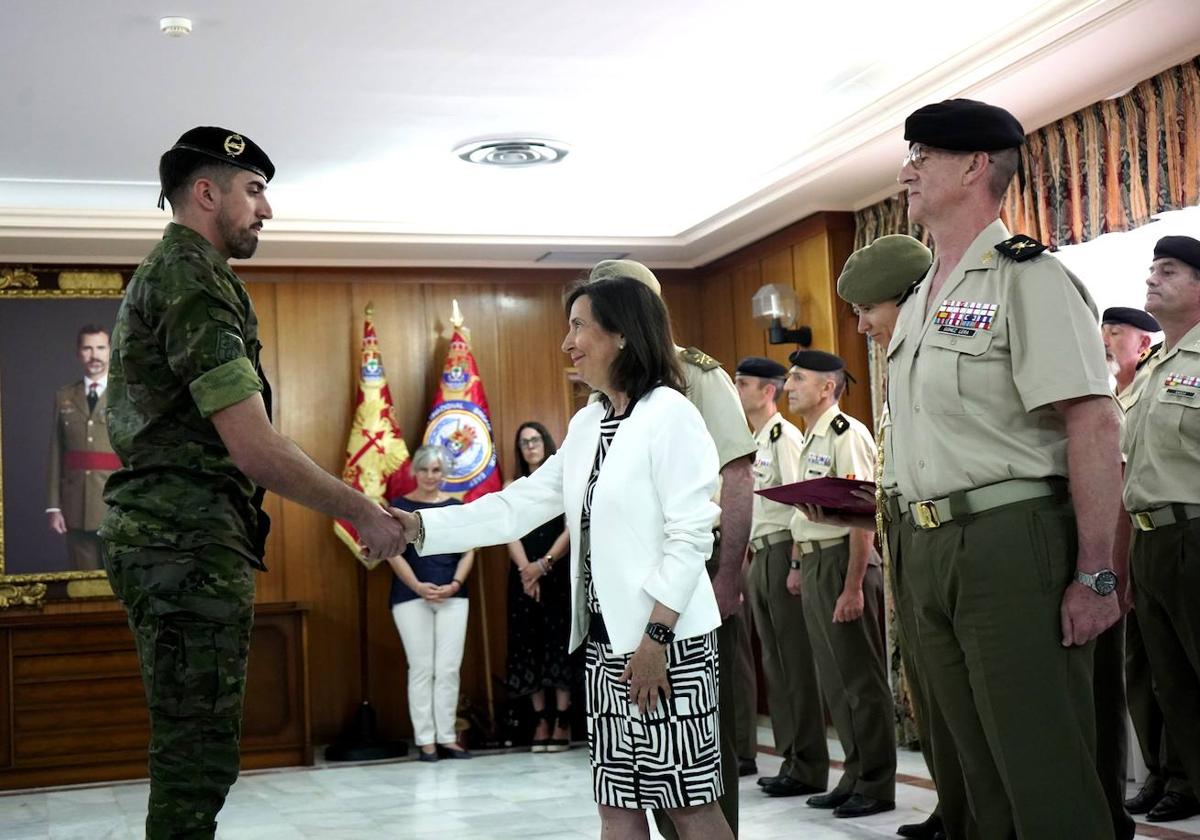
(747, 767)
(829, 800)
(1147, 797)
(928, 830)
(1174, 806)
(763, 781)
(787, 786)
(447, 752)
(863, 806)
(426, 756)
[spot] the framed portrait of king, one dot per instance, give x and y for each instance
(55, 341)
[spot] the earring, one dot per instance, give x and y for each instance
(621, 346)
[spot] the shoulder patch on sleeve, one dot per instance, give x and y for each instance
(700, 359)
(1020, 248)
(840, 424)
(776, 432)
(229, 346)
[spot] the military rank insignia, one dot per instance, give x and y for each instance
(776, 432)
(1020, 248)
(229, 347)
(964, 317)
(1178, 385)
(700, 359)
(840, 424)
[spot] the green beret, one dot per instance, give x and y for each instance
(817, 360)
(964, 125)
(625, 268)
(760, 366)
(1183, 248)
(883, 270)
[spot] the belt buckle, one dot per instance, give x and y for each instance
(926, 515)
(1143, 521)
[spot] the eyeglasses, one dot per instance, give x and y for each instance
(916, 157)
(529, 443)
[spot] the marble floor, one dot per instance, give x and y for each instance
(493, 797)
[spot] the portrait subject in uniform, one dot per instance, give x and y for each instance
(81, 458)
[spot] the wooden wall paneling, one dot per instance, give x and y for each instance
(750, 338)
(778, 268)
(811, 273)
(6, 722)
(717, 337)
(680, 291)
(852, 345)
(273, 586)
(317, 359)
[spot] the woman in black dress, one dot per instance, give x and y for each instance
(539, 609)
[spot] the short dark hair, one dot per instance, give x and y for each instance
(90, 329)
(627, 307)
(839, 383)
(522, 468)
(178, 169)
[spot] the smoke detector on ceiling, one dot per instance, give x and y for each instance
(512, 151)
(175, 27)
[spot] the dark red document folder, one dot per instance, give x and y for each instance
(833, 494)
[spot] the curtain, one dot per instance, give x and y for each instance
(1113, 165)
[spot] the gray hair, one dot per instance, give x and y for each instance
(429, 453)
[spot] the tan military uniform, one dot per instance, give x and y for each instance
(81, 460)
(794, 694)
(971, 381)
(849, 656)
(713, 393)
(1161, 442)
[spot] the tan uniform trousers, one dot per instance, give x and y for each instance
(852, 672)
(793, 693)
(986, 594)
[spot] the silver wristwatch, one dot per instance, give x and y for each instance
(1103, 582)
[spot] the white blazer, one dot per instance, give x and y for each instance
(651, 524)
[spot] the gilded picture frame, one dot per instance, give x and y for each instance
(42, 312)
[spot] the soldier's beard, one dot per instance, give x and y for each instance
(241, 243)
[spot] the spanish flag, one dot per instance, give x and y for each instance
(460, 421)
(375, 450)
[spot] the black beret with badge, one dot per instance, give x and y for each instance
(964, 125)
(204, 144)
(760, 366)
(1138, 318)
(1182, 248)
(884, 270)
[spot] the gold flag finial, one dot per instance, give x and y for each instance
(456, 316)
(370, 309)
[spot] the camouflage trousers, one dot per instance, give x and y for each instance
(191, 614)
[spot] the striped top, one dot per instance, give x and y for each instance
(608, 431)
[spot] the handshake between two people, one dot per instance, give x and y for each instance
(385, 531)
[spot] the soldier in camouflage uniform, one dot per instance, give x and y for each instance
(188, 414)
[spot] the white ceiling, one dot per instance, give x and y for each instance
(696, 126)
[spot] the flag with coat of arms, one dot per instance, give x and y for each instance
(375, 452)
(460, 421)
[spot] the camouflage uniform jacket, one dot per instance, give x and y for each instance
(185, 346)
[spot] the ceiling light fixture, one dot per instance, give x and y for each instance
(512, 151)
(175, 27)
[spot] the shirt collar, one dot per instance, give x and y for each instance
(762, 433)
(822, 425)
(101, 384)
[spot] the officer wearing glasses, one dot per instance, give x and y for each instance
(1005, 451)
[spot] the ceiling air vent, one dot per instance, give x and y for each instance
(512, 151)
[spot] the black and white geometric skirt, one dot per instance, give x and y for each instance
(671, 758)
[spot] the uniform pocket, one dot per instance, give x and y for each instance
(1179, 425)
(952, 361)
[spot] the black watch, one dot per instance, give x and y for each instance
(1104, 582)
(660, 633)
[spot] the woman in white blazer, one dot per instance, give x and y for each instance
(635, 476)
